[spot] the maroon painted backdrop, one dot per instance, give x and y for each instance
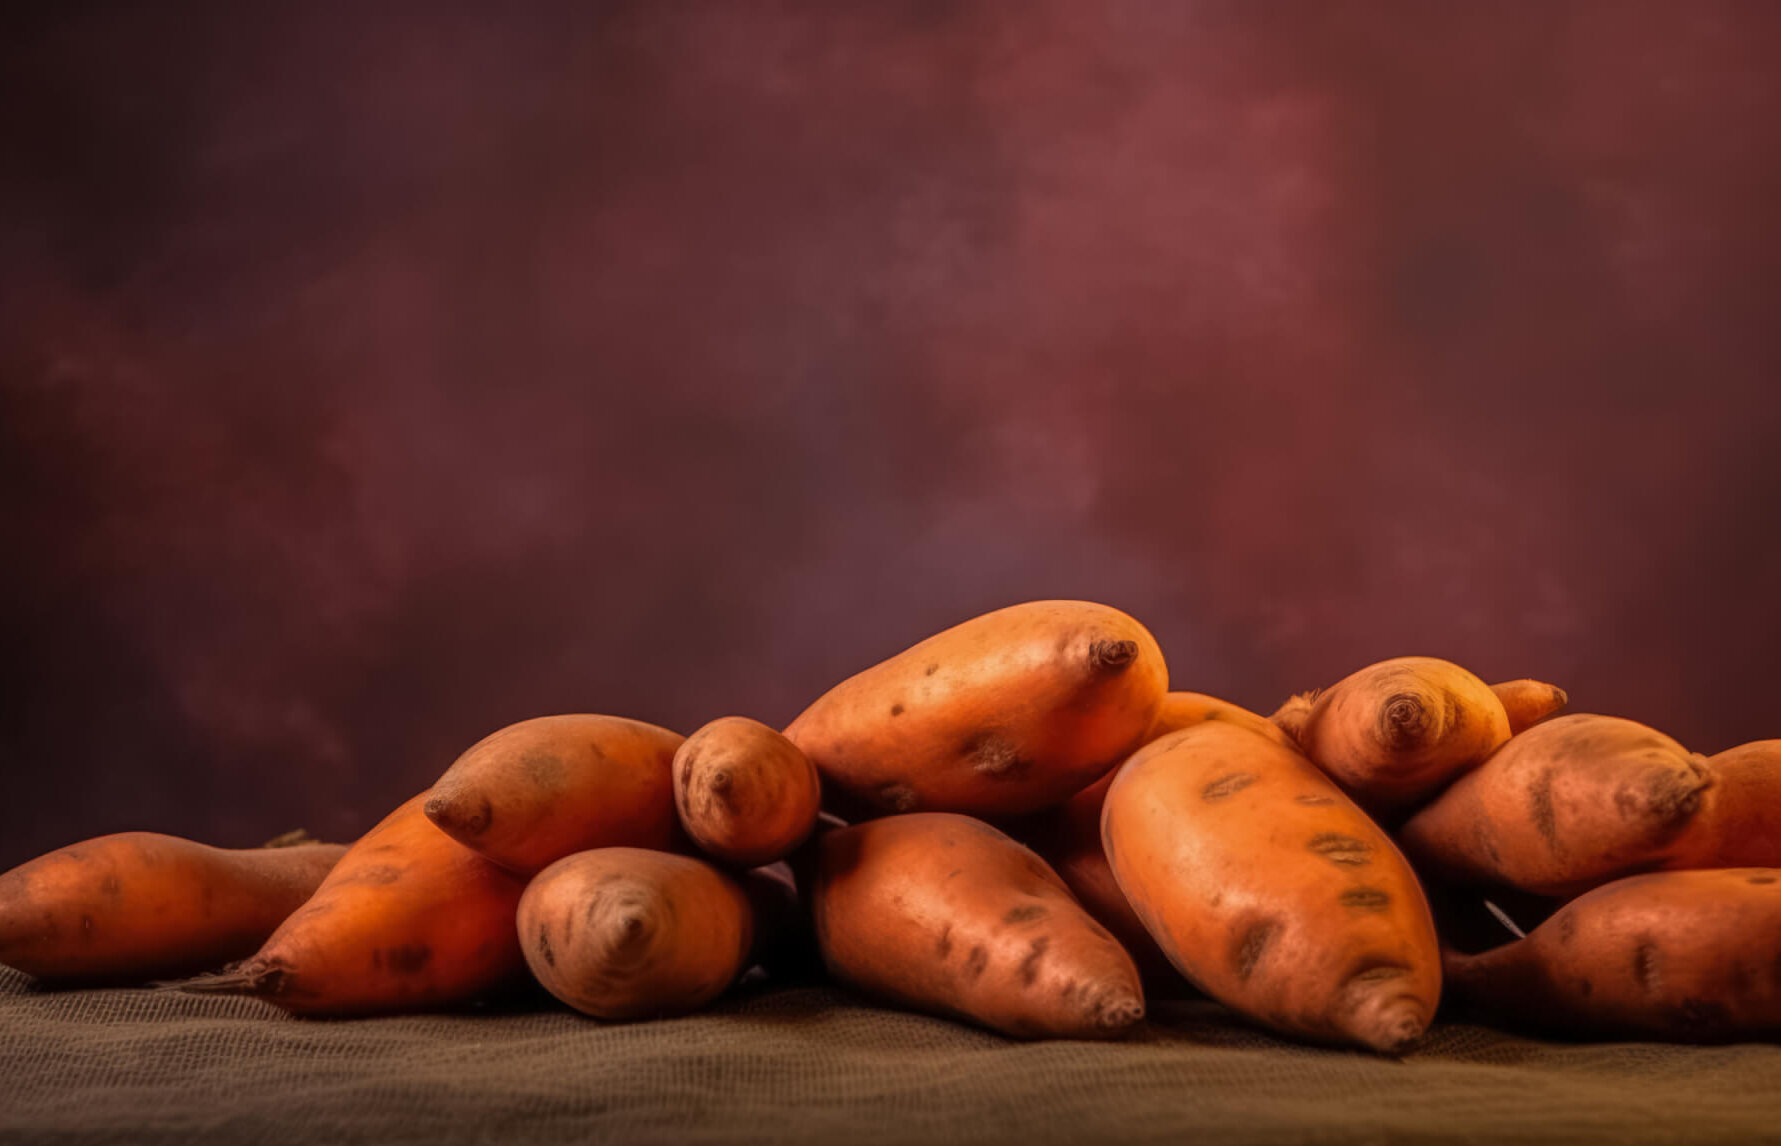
(373, 375)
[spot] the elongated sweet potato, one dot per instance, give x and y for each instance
(138, 906)
(1270, 891)
(999, 716)
(1683, 956)
(1396, 732)
(627, 933)
(1185, 709)
(1527, 702)
(745, 794)
(1569, 804)
(408, 920)
(943, 913)
(539, 790)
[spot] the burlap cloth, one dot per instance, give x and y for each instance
(810, 1064)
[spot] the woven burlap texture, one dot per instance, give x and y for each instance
(815, 1065)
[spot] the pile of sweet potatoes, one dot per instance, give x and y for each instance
(1015, 823)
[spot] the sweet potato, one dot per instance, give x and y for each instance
(539, 790)
(999, 716)
(1271, 891)
(1681, 956)
(627, 933)
(138, 906)
(409, 919)
(1398, 731)
(1185, 709)
(1739, 823)
(943, 913)
(1569, 804)
(745, 794)
(1527, 702)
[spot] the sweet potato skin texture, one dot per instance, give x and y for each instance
(1398, 731)
(1684, 956)
(137, 906)
(943, 913)
(745, 794)
(1270, 890)
(999, 716)
(408, 920)
(628, 933)
(1526, 702)
(1185, 709)
(536, 791)
(1568, 805)
(1739, 824)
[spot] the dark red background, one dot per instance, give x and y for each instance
(377, 374)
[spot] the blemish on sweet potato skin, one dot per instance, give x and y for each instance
(1251, 946)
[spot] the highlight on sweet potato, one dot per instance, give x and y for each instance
(1270, 890)
(1001, 715)
(1527, 702)
(945, 914)
(539, 790)
(1686, 956)
(1571, 803)
(745, 794)
(1185, 709)
(137, 906)
(1398, 731)
(408, 920)
(628, 933)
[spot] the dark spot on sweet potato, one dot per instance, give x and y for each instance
(1365, 899)
(1761, 879)
(376, 874)
(1567, 927)
(1646, 968)
(1585, 988)
(1344, 851)
(1112, 656)
(456, 820)
(1251, 945)
(1227, 786)
(1540, 810)
(975, 962)
(933, 668)
(1377, 973)
(1025, 913)
(1217, 898)
(110, 886)
(1312, 799)
(409, 958)
(1029, 967)
(897, 798)
(543, 768)
(543, 945)
(896, 710)
(1403, 722)
(993, 755)
(943, 947)
(1452, 712)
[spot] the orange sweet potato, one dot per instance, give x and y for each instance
(1739, 823)
(1396, 732)
(999, 716)
(745, 794)
(138, 906)
(408, 920)
(1681, 956)
(1270, 891)
(1569, 804)
(627, 933)
(1527, 702)
(1185, 709)
(944, 913)
(539, 790)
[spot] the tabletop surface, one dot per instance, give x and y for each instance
(813, 1064)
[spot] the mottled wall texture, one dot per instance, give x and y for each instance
(373, 375)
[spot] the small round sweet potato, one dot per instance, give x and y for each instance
(539, 790)
(627, 933)
(1002, 715)
(1271, 891)
(408, 920)
(1568, 805)
(1684, 956)
(1527, 702)
(138, 906)
(745, 794)
(1398, 731)
(943, 913)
